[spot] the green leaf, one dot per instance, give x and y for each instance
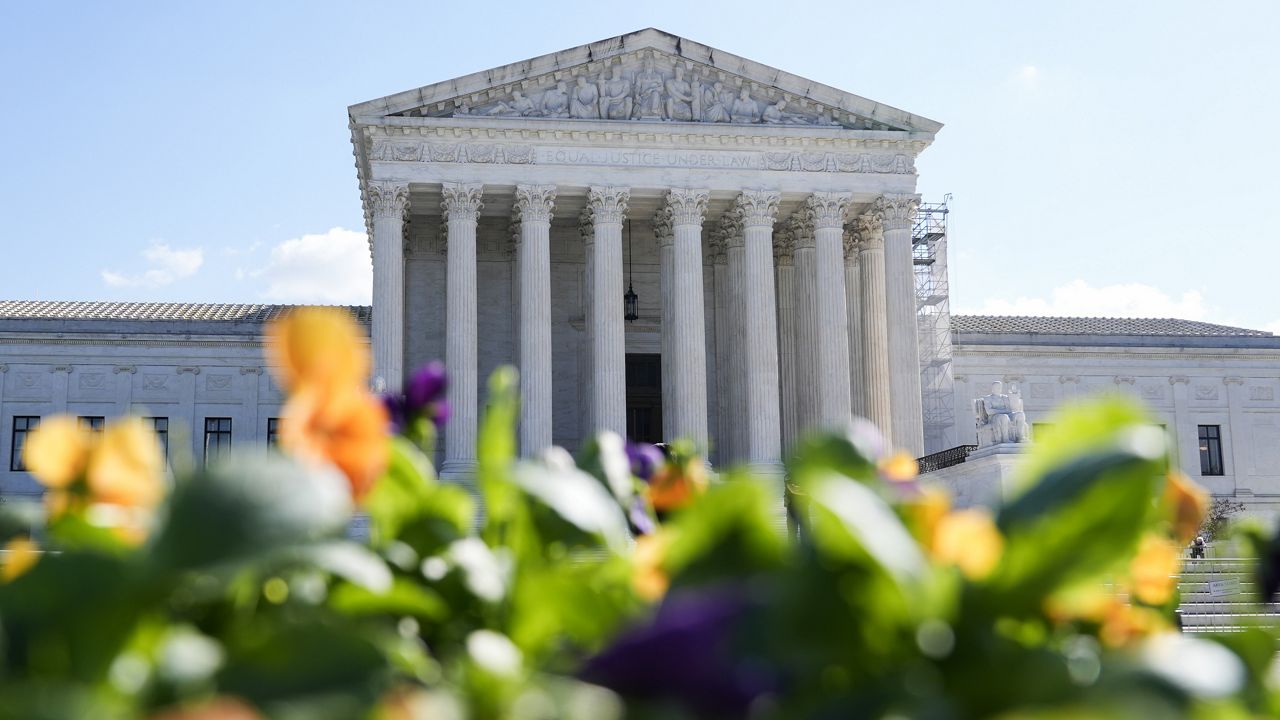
(400, 493)
(577, 498)
(1077, 429)
(248, 504)
(856, 521)
(730, 532)
(403, 597)
(605, 458)
(496, 449)
(354, 563)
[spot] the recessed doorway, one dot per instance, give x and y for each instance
(644, 397)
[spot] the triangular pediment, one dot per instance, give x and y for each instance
(645, 76)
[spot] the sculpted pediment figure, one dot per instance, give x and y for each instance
(646, 76)
(1000, 417)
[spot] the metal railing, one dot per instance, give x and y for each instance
(945, 458)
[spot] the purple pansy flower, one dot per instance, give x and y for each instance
(644, 459)
(639, 516)
(425, 386)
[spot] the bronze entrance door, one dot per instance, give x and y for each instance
(644, 397)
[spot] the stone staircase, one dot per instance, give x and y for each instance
(1219, 595)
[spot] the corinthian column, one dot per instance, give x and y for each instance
(784, 270)
(897, 212)
(461, 210)
(533, 205)
(665, 236)
(757, 209)
(832, 326)
(389, 202)
(735, 263)
(875, 333)
(853, 309)
(688, 344)
(719, 256)
(608, 206)
(800, 226)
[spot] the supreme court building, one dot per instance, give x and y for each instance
(762, 222)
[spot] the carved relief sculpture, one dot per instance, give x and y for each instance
(584, 102)
(520, 106)
(680, 98)
(555, 102)
(648, 101)
(776, 114)
(615, 96)
(714, 107)
(744, 110)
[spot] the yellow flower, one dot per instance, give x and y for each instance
(675, 485)
(57, 450)
(899, 467)
(924, 512)
(127, 466)
(1123, 623)
(1154, 570)
(1090, 602)
(1189, 504)
(648, 578)
(320, 346)
(969, 540)
(345, 426)
(20, 555)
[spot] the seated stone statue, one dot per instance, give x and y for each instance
(777, 114)
(615, 96)
(520, 106)
(744, 109)
(1000, 417)
(555, 102)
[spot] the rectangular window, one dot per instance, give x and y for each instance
(217, 437)
(22, 424)
(273, 431)
(161, 427)
(93, 423)
(1210, 449)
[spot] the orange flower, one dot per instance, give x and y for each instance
(321, 346)
(1189, 503)
(969, 540)
(1154, 570)
(220, 708)
(57, 451)
(20, 554)
(127, 466)
(1123, 623)
(675, 485)
(648, 578)
(899, 467)
(344, 426)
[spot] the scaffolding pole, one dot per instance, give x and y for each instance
(933, 320)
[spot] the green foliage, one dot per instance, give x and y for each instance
(525, 595)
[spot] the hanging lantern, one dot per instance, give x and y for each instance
(630, 301)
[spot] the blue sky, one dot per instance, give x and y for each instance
(1105, 158)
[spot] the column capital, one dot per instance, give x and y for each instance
(896, 211)
(731, 228)
(1179, 380)
(851, 240)
(800, 224)
(462, 201)
(717, 250)
(388, 199)
(870, 230)
(608, 203)
(687, 206)
(585, 228)
(1233, 380)
(534, 203)
(784, 247)
(663, 228)
(1064, 379)
(758, 208)
(828, 209)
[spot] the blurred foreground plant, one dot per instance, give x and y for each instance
(625, 583)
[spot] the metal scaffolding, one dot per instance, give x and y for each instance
(933, 321)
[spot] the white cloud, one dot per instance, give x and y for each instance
(330, 268)
(1273, 328)
(165, 266)
(1079, 298)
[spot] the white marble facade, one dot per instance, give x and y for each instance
(1228, 378)
(508, 209)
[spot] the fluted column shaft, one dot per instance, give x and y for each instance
(665, 237)
(735, 253)
(762, 415)
(723, 449)
(688, 364)
(897, 214)
(853, 311)
(807, 385)
(832, 324)
(462, 210)
(784, 271)
(534, 205)
(586, 372)
(608, 342)
(389, 203)
(875, 333)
